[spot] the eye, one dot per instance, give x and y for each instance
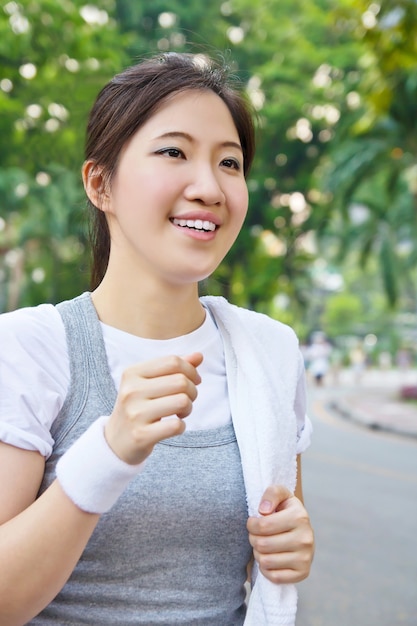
(233, 164)
(173, 153)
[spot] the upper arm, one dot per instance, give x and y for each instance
(21, 473)
(299, 486)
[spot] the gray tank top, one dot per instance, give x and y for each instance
(174, 548)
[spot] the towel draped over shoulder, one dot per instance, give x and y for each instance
(262, 363)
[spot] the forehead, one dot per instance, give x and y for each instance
(201, 110)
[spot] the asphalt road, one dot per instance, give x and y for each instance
(360, 488)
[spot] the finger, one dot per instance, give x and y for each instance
(160, 430)
(147, 410)
(171, 385)
(273, 496)
(291, 514)
(279, 542)
(187, 365)
(273, 561)
(284, 566)
(196, 358)
(284, 575)
(164, 366)
(135, 393)
(144, 438)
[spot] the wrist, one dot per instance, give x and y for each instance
(91, 474)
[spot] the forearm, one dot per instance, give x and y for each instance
(39, 549)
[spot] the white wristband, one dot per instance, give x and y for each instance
(91, 474)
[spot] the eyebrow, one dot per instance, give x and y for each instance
(182, 135)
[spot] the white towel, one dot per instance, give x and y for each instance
(262, 370)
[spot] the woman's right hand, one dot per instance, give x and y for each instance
(148, 392)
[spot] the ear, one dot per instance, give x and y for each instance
(95, 184)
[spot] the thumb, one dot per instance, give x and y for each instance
(273, 496)
(196, 358)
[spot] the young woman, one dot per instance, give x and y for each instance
(150, 439)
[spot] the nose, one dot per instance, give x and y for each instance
(205, 187)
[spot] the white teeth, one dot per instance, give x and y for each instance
(196, 224)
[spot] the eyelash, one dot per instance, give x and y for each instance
(176, 153)
(235, 164)
(169, 151)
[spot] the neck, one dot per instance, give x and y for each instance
(149, 311)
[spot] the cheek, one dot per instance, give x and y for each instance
(240, 201)
(142, 185)
(131, 192)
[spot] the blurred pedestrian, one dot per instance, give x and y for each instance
(357, 358)
(319, 357)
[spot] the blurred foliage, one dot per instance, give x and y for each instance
(333, 186)
(370, 172)
(54, 58)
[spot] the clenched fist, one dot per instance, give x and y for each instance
(148, 392)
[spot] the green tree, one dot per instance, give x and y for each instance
(370, 174)
(54, 57)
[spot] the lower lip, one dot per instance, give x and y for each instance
(201, 235)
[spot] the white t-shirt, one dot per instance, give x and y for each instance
(35, 375)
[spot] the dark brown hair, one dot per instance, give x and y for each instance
(130, 99)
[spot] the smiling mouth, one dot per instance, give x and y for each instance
(201, 225)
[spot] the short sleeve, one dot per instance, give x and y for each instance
(34, 376)
(304, 425)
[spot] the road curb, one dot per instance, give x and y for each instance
(363, 419)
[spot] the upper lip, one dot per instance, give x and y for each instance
(205, 216)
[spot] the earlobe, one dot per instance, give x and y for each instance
(95, 184)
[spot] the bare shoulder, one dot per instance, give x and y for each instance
(21, 473)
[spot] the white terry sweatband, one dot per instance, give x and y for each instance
(91, 474)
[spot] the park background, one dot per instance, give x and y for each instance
(329, 245)
(330, 241)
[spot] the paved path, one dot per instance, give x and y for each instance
(373, 399)
(360, 489)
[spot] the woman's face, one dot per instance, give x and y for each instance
(179, 198)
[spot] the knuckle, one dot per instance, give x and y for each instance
(126, 377)
(122, 396)
(263, 524)
(139, 437)
(306, 537)
(182, 402)
(266, 562)
(180, 383)
(125, 398)
(303, 517)
(178, 427)
(300, 575)
(301, 560)
(132, 414)
(124, 391)
(309, 540)
(174, 362)
(261, 544)
(275, 576)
